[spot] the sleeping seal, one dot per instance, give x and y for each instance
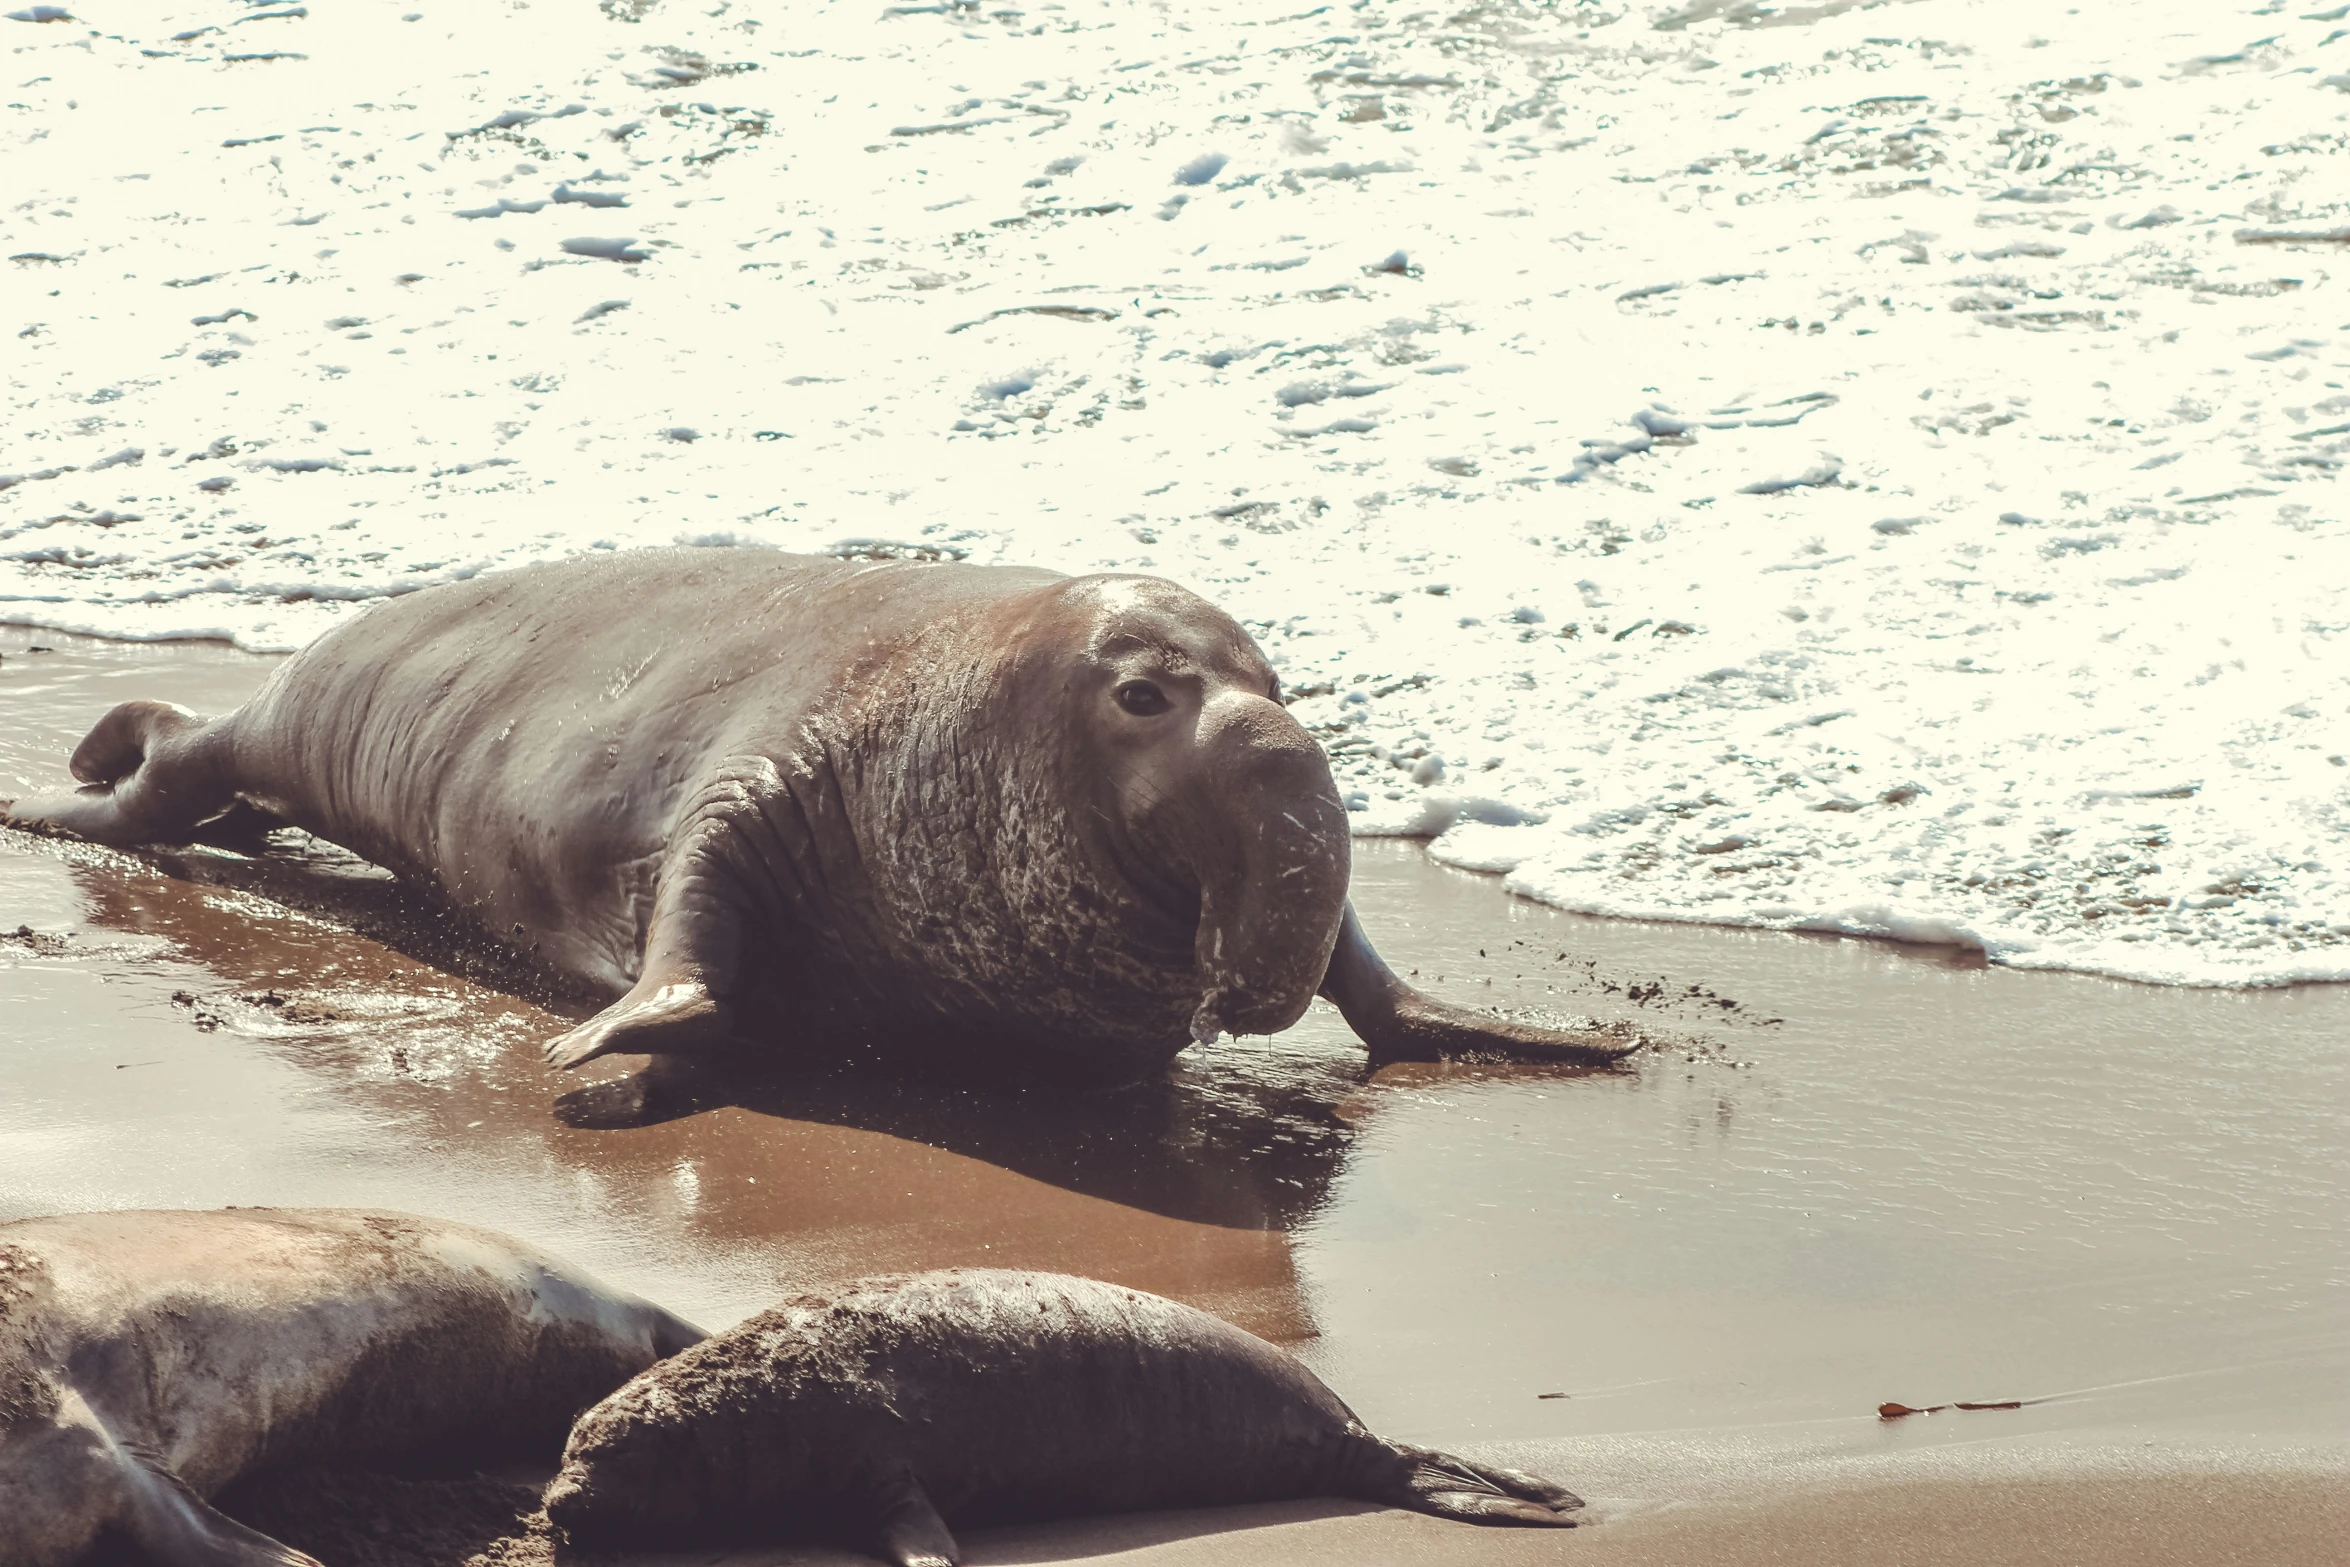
(979, 810)
(149, 1359)
(984, 1396)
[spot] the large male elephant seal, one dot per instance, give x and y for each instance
(149, 1359)
(982, 809)
(984, 1396)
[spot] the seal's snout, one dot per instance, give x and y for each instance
(1256, 754)
(579, 1500)
(625, 1481)
(566, 1499)
(1273, 891)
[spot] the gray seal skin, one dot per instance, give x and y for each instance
(988, 811)
(978, 1395)
(148, 1359)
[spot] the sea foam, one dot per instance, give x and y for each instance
(1847, 468)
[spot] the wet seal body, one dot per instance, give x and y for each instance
(984, 1396)
(148, 1359)
(990, 811)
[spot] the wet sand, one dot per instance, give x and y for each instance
(1848, 1173)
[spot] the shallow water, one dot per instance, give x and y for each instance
(1885, 1173)
(1859, 466)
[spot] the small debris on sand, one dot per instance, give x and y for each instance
(48, 943)
(1897, 1411)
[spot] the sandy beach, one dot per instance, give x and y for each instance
(1722, 482)
(1845, 1172)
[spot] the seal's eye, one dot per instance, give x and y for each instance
(1142, 699)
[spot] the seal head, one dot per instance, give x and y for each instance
(1214, 803)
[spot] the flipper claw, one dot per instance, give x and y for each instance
(666, 1020)
(910, 1531)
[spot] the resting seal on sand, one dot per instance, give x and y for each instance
(976, 809)
(984, 1396)
(149, 1359)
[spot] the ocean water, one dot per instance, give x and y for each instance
(1839, 466)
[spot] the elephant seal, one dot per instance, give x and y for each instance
(984, 810)
(148, 1359)
(984, 1396)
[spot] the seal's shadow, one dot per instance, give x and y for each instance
(372, 1518)
(1252, 1134)
(1248, 1136)
(1244, 1137)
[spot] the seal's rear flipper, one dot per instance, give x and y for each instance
(910, 1533)
(1450, 1487)
(175, 1527)
(151, 772)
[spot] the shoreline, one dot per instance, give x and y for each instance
(1966, 950)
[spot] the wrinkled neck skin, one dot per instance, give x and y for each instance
(978, 905)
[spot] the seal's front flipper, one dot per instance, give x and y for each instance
(677, 1005)
(909, 1531)
(175, 1527)
(692, 941)
(1449, 1487)
(653, 1019)
(1400, 1024)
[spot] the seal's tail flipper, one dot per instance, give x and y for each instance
(1450, 1487)
(151, 773)
(119, 743)
(177, 1528)
(909, 1531)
